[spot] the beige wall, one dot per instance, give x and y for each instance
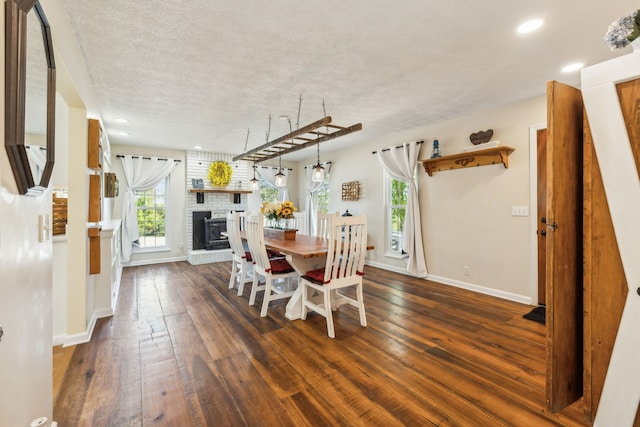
(466, 214)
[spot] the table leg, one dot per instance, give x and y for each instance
(301, 265)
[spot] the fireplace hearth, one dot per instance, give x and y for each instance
(207, 231)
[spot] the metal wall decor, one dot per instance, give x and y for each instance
(350, 191)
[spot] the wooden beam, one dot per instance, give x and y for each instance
(322, 122)
(325, 138)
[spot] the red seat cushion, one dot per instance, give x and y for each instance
(274, 254)
(247, 256)
(280, 266)
(317, 276)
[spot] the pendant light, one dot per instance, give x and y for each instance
(255, 184)
(281, 180)
(318, 171)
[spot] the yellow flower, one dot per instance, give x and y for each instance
(220, 173)
(282, 210)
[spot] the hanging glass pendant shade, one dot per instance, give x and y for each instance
(281, 180)
(318, 171)
(254, 183)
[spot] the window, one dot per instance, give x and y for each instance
(268, 193)
(152, 216)
(323, 195)
(398, 196)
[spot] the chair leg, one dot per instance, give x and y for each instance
(329, 313)
(254, 289)
(267, 296)
(243, 276)
(234, 268)
(363, 315)
(303, 313)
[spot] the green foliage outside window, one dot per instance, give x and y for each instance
(323, 195)
(399, 198)
(151, 214)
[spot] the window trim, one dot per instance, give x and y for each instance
(167, 221)
(388, 252)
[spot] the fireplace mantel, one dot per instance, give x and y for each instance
(219, 190)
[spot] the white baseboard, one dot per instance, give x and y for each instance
(82, 337)
(153, 261)
(523, 299)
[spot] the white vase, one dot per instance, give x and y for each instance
(636, 45)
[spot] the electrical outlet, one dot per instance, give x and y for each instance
(466, 270)
(519, 211)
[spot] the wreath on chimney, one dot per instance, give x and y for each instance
(220, 173)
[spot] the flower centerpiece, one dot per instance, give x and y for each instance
(623, 31)
(276, 212)
(220, 173)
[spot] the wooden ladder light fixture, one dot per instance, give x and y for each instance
(298, 139)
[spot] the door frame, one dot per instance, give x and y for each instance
(533, 209)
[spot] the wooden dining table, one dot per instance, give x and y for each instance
(304, 253)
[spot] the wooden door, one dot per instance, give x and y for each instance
(605, 284)
(564, 245)
(541, 138)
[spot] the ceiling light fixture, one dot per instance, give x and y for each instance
(119, 120)
(198, 147)
(318, 171)
(572, 67)
(255, 184)
(530, 26)
(281, 180)
(123, 133)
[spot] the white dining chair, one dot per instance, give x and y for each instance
(241, 262)
(300, 222)
(324, 221)
(272, 270)
(347, 247)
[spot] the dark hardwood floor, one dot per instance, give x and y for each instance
(183, 350)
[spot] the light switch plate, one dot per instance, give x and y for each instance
(44, 229)
(519, 211)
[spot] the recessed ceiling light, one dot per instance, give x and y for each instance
(198, 147)
(284, 117)
(530, 26)
(572, 67)
(119, 120)
(123, 133)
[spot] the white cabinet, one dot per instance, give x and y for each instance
(107, 283)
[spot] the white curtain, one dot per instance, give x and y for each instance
(269, 174)
(311, 203)
(140, 174)
(400, 162)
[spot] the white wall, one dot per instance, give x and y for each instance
(25, 298)
(466, 213)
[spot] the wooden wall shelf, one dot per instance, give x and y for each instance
(216, 190)
(490, 156)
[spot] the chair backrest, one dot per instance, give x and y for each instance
(300, 222)
(255, 238)
(347, 247)
(234, 219)
(324, 221)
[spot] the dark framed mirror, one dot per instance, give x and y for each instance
(30, 88)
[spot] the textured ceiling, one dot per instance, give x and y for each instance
(202, 72)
